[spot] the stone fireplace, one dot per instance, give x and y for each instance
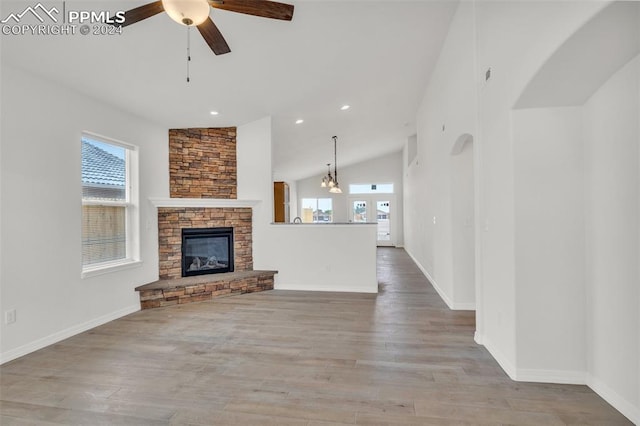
(203, 190)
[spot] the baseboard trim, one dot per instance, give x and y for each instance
(551, 376)
(477, 337)
(612, 397)
(433, 282)
(625, 407)
(65, 334)
(342, 288)
(502, 360)
(464, 306)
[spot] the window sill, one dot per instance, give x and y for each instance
(109, 267)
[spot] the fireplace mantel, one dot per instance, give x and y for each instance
(202, 202)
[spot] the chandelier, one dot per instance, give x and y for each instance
(331, 181)
(328, 181)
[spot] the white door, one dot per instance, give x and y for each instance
(383, 216)
(359, 210)
(375, 208)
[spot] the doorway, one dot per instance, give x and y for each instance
(375, 208)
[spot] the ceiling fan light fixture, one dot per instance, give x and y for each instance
(187, 12)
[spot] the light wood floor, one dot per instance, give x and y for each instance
(289, 358)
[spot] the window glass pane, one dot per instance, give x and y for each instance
(317, 210)
(309, 205)
(371, 188)
(359, 210)
(103, 234)
(103, 171)
(324, 212)
(104, 181)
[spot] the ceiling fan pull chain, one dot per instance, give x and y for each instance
(188, 51)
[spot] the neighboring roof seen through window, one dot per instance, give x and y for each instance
(103, 170)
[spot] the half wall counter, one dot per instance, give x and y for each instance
(325, 256)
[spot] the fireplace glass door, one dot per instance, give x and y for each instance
(207, 251)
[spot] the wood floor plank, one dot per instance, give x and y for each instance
(289, 358)
(230, 418)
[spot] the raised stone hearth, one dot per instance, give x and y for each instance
(204, 287)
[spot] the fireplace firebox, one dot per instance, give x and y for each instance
(207, 251)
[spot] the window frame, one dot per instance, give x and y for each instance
(353, 188)
(130, 204)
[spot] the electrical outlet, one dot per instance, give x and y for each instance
(10, 316)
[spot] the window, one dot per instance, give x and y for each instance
(109, 205)
(317, 210)
(371, 188)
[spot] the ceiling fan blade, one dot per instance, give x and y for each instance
(143, 12)
(263, 8)
(213, 37)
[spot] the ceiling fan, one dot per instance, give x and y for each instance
(195, 13)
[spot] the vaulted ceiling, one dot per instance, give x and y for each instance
(375, 56)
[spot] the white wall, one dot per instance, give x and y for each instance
(549, 244)
(612, 138)
(385, 169)
(511, 44)
(463, 224)
(293, 199)
(324, 257)
(432, 215)
(253, 153)
(41, 210)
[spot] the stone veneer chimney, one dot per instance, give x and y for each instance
(202, 163)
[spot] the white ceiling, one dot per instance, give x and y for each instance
(373, 55)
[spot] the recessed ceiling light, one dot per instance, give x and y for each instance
(214, 112)
(345, 107)
(299, 121)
